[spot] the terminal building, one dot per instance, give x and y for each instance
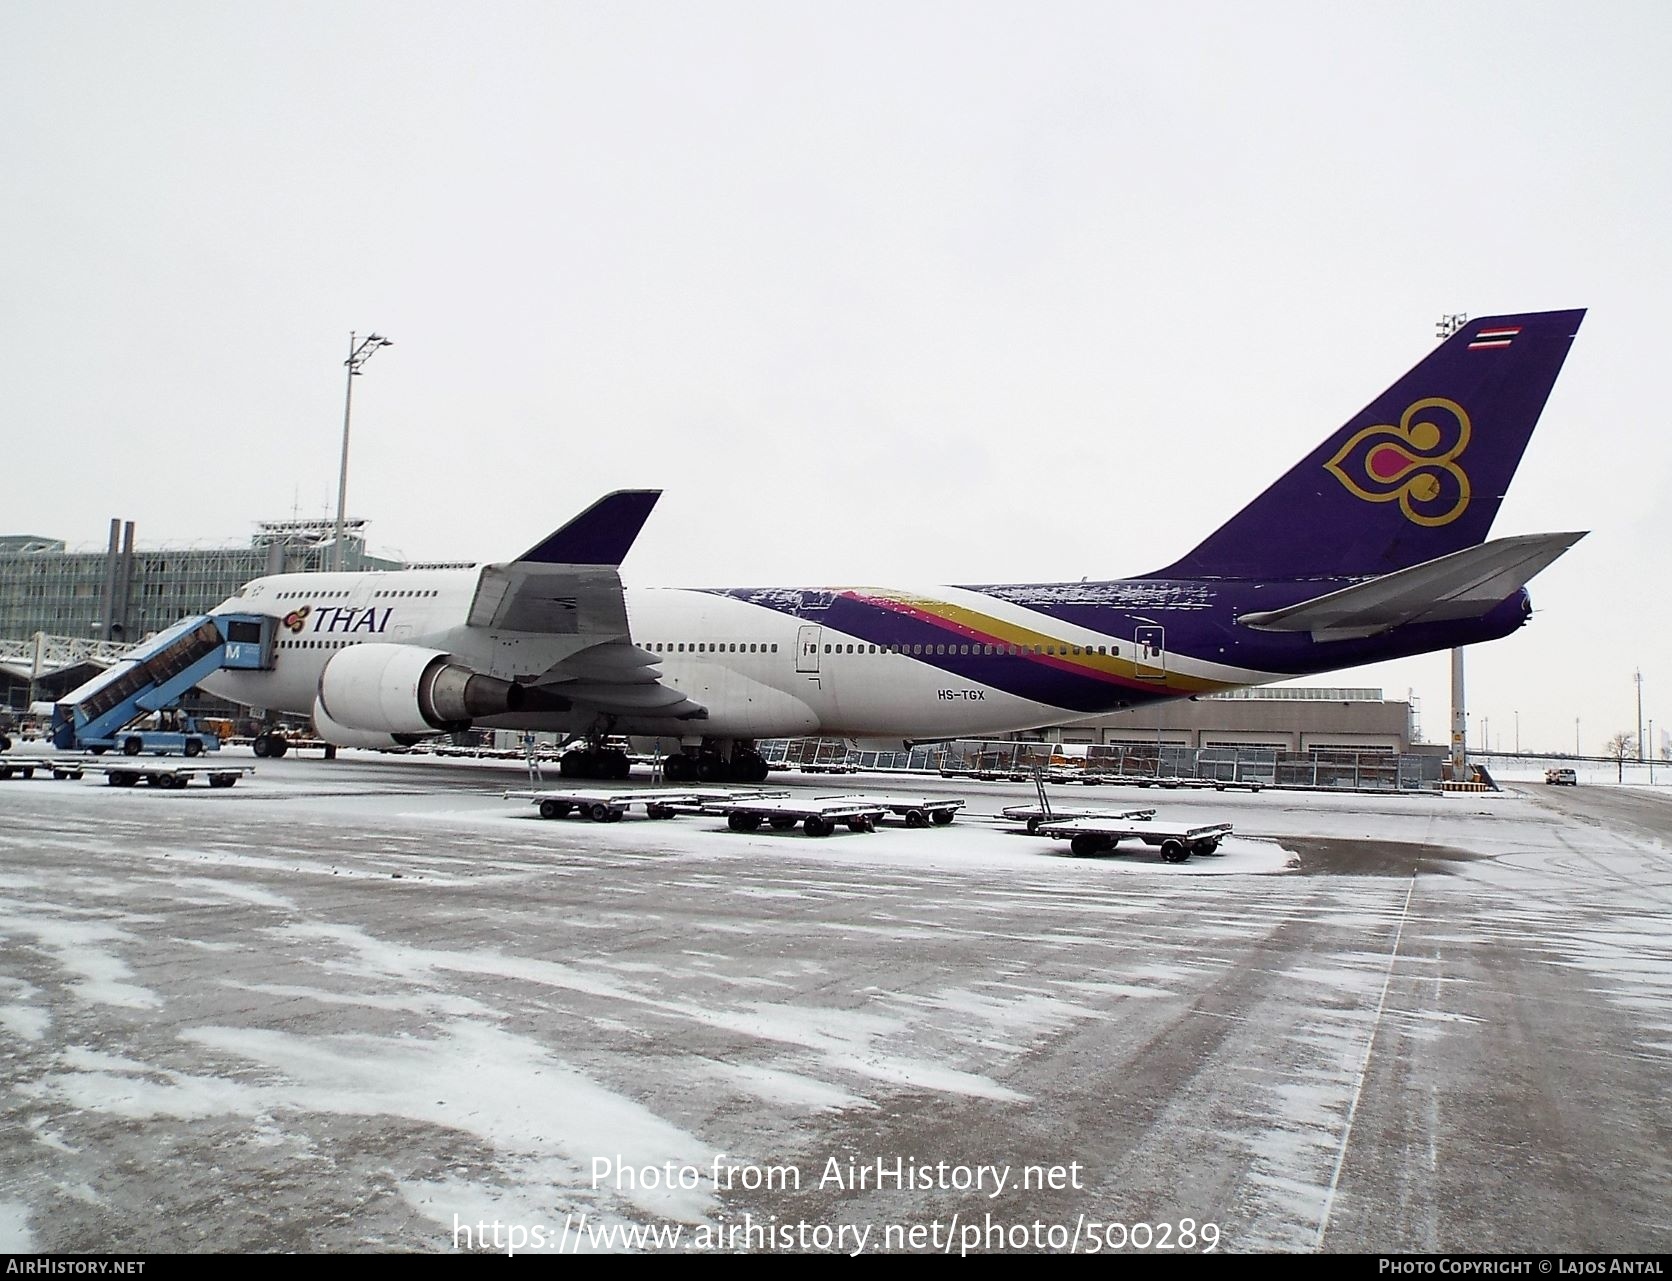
(88, 603)
(1277, 718)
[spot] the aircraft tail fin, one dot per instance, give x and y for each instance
(1417, 474)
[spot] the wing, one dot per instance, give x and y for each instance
(569, 585)
(1465, 584)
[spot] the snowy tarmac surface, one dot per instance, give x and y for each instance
(370, 1004)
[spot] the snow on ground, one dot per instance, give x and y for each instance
(336, 987)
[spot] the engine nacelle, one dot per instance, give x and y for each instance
(342, 736)
(402, 689)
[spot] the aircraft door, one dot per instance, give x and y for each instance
(366, 585)
(807, 642)
(1150, 659)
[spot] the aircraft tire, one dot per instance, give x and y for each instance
(260, 746)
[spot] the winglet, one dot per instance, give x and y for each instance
(601, 535)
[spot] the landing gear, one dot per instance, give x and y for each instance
(587, 762)
(710, 764)
(271, 744)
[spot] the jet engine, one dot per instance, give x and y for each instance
(342, 736)
(404, 690)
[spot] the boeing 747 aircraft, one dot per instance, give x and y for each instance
(1371, 547)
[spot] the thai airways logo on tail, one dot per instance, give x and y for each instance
(1414, 464)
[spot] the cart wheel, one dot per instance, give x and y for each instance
(817, 826)
(735, 822)
(1174, 851)
(1033, 825)
(5, 771)
(222, 780)
(121, 778)
(862, 823)
(599, 813)
(1085, 845)
(781, 822)
(548, 809)
(916, 818)
(943, 817)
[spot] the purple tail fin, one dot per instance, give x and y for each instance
(1418, 473)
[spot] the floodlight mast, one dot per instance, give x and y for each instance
(1444, 328)
(360, 350)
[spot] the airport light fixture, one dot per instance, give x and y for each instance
(1638, 677)
(1444, 328)
(360, 350)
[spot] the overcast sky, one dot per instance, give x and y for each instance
(879, 293)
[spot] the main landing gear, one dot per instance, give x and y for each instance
(711, 763)
(594, 762)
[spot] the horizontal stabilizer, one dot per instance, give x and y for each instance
(1465, 584)
(601, 535)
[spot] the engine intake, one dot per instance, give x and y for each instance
(402, 689)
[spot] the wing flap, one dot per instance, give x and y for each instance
(1465, 584)
(616, 678)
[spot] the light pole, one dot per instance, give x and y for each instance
(358, 354)
(1518, 733)
(1444, 328)
(1638, 677)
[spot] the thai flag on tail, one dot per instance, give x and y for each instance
(1491, 339)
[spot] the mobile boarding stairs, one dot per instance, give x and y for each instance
(153, 677)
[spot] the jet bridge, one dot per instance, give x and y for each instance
(155, 674)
